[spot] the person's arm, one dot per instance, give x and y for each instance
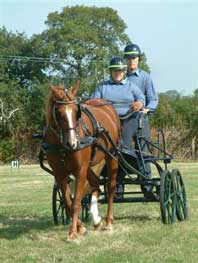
(139, 99)
(97, 94)
(151, 95)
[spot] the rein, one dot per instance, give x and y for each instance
(87, 140)
(119, 103)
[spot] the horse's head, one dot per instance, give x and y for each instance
(66, 113)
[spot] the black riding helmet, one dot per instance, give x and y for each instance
(132, 51)
(117, 63)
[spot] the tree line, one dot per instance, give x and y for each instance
(77, 44)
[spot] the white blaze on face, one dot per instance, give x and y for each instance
(72, 138)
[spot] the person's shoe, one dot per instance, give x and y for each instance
(149, 195)
(119, 192)
(147, 190)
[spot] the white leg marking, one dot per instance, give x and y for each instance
(94, 210)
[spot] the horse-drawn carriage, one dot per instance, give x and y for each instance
(167, 186)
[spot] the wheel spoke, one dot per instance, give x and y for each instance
(58, 207)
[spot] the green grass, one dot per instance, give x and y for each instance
(27, 232)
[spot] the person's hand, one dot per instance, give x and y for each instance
(137, 106)
(145, 111)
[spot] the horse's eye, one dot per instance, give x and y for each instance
(78, 113)
(58, 113)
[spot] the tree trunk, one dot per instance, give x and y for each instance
(193, 147)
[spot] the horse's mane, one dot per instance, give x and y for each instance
(49, 107)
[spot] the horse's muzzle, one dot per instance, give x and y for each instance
(71, 140)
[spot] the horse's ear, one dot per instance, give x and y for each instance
(52, 87)
(75, 88)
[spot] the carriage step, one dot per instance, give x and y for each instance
(154, 181)
(130, 200)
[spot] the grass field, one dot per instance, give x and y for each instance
(27, 232)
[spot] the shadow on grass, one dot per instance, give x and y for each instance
(141, 218)
(12, 228)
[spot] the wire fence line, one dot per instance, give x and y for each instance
(5, 58)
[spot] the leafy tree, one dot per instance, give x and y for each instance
(74, 39)
(80, 41)
(196, 92)
(17, 59)
(171, 94)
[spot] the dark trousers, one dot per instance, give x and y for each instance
(144, 145)
(138, 122)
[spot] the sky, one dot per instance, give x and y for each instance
(165, 30)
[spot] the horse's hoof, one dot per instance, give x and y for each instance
(108, 228)
(82, 230)
(99, 226)
(72, 236)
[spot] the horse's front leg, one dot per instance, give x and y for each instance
(61, 178)
(112, 166)
(81, 177)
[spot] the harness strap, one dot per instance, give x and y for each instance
(84, 127)
(93, 120)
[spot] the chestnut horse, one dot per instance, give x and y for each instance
(81, 131)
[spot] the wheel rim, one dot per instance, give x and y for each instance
(167, 198)
(181, 200)
(58, 207)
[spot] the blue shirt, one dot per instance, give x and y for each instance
(144, 82)
(123, 92)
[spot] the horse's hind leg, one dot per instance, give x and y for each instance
(94, 183)
(112, 166)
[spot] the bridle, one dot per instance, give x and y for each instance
(60, 133)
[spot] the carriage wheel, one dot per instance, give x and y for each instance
(85, 212)
(167, 197)
(181, 200)
(58, 207)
